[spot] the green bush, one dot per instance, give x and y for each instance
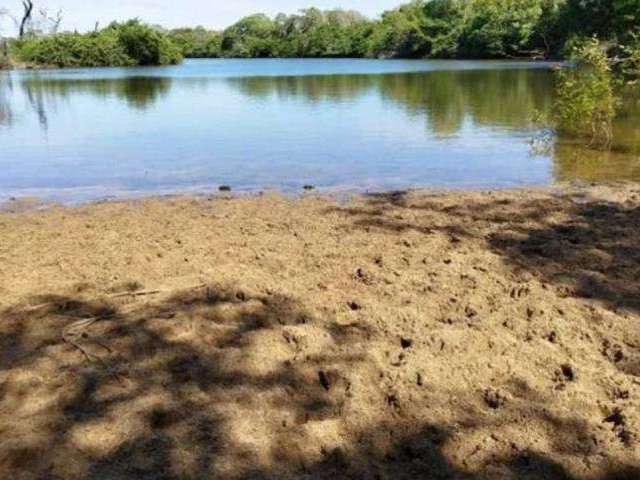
(586, 102)
(119, 45)
(197, 42)
(145, 45)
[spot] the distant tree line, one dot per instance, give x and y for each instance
(421, 29)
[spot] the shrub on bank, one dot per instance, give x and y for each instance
(5, 60)
(119, 45)
(586, 101)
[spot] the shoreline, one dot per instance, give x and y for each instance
(29, 200)
(466, 334)
(23, 66)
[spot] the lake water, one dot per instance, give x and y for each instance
(356, 125)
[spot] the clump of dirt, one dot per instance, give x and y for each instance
(404, 335)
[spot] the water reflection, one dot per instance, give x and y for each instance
(445, 99)
(494, 98)
(138, 92)
(115, 131)
(574, 161)
(6, 87)
(499, 98)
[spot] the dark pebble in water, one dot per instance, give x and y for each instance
(224, 188)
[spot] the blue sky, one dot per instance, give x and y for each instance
(82, 14)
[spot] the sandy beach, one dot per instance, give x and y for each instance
(461, 335)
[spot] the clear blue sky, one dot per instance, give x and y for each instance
(82, 14)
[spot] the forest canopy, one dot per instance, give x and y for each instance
(422, 29)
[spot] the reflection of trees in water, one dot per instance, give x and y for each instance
(37, 102)
(6, 88)
(314, 88)
(137, 92)
(488, 97)
(574, 160)
(506, 98)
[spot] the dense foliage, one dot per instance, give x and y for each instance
(197, 42)
(422, 29)
(120, 44)
(418, 29)
(586, 102)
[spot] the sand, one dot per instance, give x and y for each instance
(462, 335)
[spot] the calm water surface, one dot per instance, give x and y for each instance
(85, 134)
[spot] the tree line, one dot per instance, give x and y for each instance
(419, 29)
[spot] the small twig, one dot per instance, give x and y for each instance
(76, 329)
(84, 323)
(76, 345)
(137, 294)
(37, 307)
(104, 345)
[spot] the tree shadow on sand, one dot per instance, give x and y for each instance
(585, 249)
(212, 382)
(591, 248)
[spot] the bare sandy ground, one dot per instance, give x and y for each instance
(470, 335)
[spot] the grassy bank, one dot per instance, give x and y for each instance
(467, 335)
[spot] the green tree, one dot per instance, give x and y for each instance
(251, 37)
(499, 28)
(197, 42)
(401, 33)
(443, 26)
(146, 45)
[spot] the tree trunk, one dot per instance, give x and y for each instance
(28, 10)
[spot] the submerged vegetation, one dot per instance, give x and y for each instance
(590, 95)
